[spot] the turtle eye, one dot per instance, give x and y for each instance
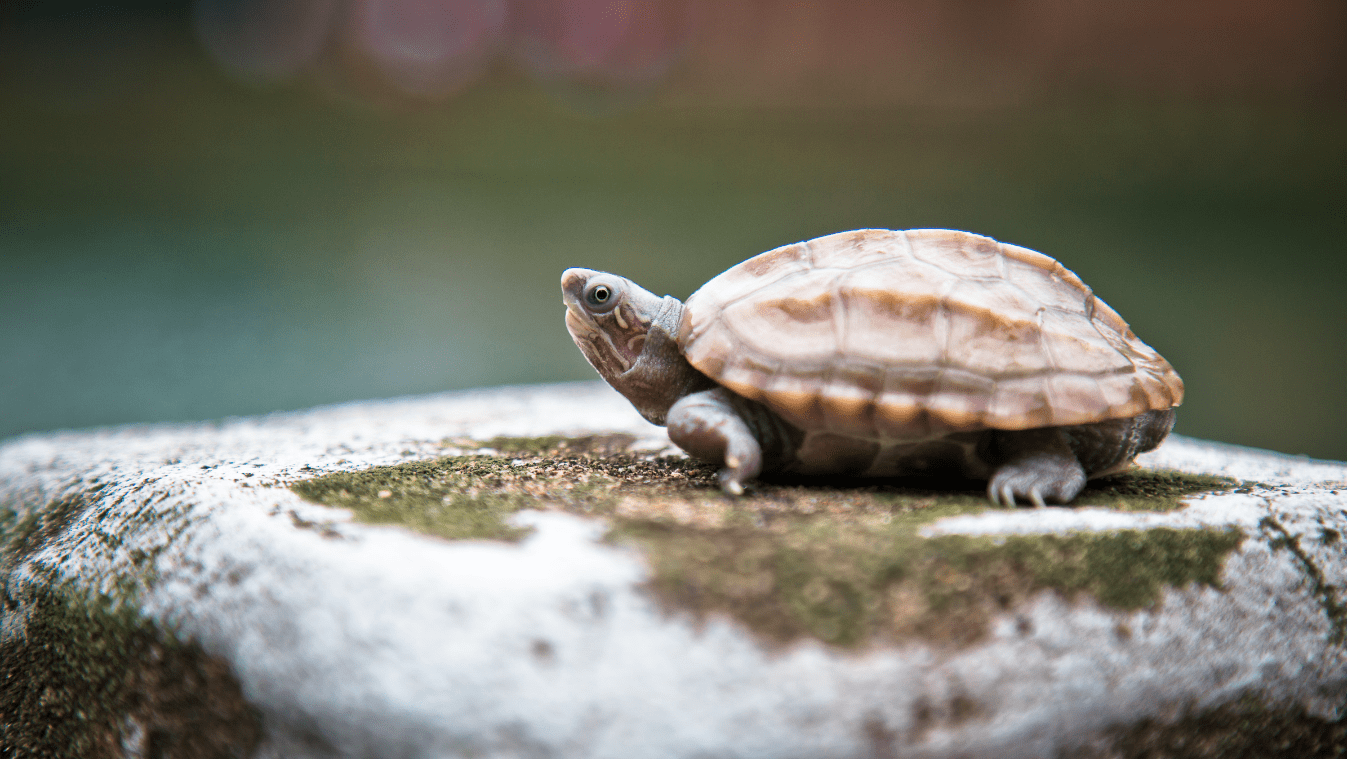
(600, 296)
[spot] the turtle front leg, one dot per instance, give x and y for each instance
(1037, 465)
(723, 428)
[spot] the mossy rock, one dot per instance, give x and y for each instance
(90, 677)
(84, 674)
(839, 561)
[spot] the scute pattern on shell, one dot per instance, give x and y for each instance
(901, 335)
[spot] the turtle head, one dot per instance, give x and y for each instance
(628, 334)
(609, 318)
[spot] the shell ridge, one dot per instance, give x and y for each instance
(839, 313)
(1114, 340)
(776, 373)
(940, 322)
(925, 404)
(868, 265)
(1007, 375)
(826, 382)
(1121, 347)
(1131, 354)
(748, 358)
(909, 415)
(1158, 377)
(742, 345)
(907, 245)
(809, 253)
(748, 293)
(1032, 373)
(964, 307)
(1044, 344)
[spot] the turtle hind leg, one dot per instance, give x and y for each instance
(1037, 466)
(1050, 464)
(723, 428)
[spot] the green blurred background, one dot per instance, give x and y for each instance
(215, 208)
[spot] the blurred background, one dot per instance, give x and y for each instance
(229, 207)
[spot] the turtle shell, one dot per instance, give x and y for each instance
(902, 335)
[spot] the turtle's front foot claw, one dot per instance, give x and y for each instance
(730, 483)
(740, 467)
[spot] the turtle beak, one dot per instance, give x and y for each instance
(572, 287)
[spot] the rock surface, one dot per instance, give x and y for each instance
(302, 631)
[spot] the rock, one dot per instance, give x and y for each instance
(525, 572)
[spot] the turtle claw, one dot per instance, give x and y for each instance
(1038, 480)
(1002, 494)
(729, 483)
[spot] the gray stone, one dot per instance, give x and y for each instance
(351, 639)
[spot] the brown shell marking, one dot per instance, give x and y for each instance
(901, 335)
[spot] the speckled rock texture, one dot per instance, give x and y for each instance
(346, 639)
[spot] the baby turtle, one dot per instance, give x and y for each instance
(883, 353)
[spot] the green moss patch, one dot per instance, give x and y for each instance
(1149, 489)
(85, 678)
(470, 497)
(842, 563)
(849, 583)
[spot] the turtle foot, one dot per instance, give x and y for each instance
(707, 426)
(1039, 479)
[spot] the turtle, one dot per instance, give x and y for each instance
(885, 353)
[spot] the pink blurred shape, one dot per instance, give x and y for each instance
(429, 48)
(264, 40)
(613, 42)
